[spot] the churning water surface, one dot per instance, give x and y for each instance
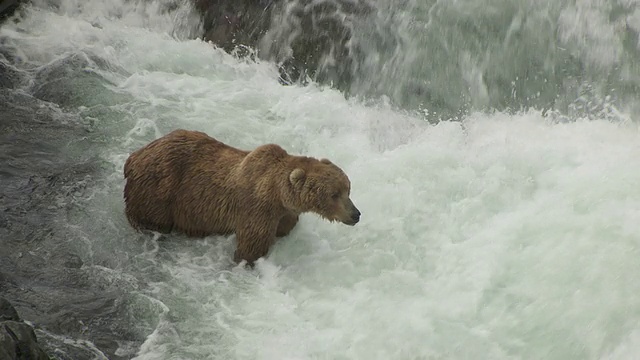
(504, 235)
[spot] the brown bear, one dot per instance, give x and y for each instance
(187, 181)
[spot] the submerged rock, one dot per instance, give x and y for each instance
(9, 76)
(17, 339)
(73, 261)
(70, 81)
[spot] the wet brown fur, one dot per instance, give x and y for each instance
(191, 183)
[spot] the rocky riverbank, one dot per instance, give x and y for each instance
(17, 339)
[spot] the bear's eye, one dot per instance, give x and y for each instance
(335, 196)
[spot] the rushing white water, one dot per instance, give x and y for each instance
(498, 237)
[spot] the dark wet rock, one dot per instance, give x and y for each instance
(7, 311)
(231, 23)
(307, 39)
(314, 39)
(17, 339)
(8, 7)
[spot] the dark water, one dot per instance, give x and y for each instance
(50, 166)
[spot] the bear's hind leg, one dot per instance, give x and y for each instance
(164, 225)
(194, 233)
(286, 224)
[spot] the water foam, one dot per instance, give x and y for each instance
(506, 236)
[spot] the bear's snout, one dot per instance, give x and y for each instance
(354, 215)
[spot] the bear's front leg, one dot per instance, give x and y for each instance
(286, 224)
(254, 241)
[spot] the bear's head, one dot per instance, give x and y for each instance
(323, 188)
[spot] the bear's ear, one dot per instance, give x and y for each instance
(325, 161)
(297, 176)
